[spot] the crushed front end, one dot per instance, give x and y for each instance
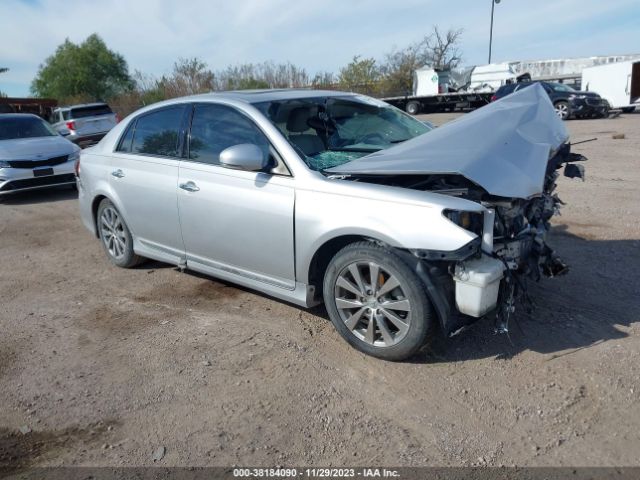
(506, 157)
(515, 250)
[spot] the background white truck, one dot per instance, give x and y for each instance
(618, 83)
(437, 90)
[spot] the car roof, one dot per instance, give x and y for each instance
(270, 95)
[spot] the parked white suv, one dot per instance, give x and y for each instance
(314, 196)
(86, 124)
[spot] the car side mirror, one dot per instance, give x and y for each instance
(64, 132)
(245, 156)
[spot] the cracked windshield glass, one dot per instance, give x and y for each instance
(330, 131)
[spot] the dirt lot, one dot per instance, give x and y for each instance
(106, 365)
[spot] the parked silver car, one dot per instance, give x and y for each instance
(84, 124)
(314, 196)
(33, 155)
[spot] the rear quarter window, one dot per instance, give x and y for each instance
(125, 142)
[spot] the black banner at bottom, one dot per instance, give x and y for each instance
(316, 473)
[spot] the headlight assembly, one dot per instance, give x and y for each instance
(470, 221)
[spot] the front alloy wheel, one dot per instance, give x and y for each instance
(377, 302)
(372, 304)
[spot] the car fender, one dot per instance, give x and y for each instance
(321, 217)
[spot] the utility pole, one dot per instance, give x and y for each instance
(493, 6)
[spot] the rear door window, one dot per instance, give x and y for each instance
(158, 133)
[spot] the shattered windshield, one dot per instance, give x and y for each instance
(330, 131)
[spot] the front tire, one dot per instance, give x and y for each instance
(377, 302)
(115, 236)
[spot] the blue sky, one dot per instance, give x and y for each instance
(320, 36)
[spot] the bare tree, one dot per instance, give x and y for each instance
(324, 80)
(360, 75)
(442, 50)
(282, 75)
(399, 66)
(261, 75)
(438, 50)
(189, 77)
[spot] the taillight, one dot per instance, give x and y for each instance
(76, 167)
(117, 118)
(494, 98)
(71, 125)
(440, 89)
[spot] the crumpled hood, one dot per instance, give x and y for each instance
(35, 148)
(503, 147)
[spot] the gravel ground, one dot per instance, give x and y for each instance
(105, 366)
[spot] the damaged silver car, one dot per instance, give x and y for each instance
(313, 196)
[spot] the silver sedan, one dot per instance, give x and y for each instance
(314, 196)
(33, 155)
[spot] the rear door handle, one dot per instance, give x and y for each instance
(118, 173)
(189, 187)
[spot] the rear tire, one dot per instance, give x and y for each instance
(388, 316)
(413, 108)
(115, 236)
(562, 110)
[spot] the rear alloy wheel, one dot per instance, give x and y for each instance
(562, 110)
(376, 302)
(115, 236)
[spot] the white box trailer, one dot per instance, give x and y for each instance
(425, 82)
(618, 82)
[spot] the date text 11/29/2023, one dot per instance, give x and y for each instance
(315, 473)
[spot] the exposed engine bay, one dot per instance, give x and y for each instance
(520, 228)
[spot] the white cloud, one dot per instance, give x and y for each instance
(152, 34)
